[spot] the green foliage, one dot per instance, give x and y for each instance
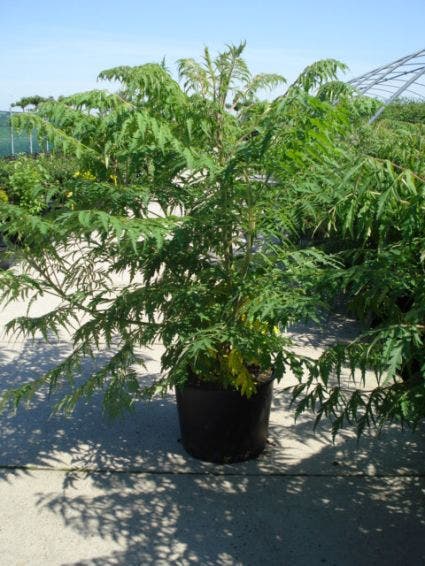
(361, 108)
(366, 208)
(4, 173)
(175, 199)
(60, 169)
(27, 182)
(406, 110)
(38, 183)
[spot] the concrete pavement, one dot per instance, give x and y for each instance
(83, 491)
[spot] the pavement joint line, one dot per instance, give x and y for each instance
(224, 473)
(11, 342)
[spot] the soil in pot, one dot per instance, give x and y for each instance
(219, 425)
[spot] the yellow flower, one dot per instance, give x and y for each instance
(88, 176)
(69, 194)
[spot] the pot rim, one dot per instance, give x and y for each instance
(218, 386)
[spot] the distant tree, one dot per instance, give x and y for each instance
(33, 101)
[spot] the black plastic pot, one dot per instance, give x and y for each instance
(222, 426)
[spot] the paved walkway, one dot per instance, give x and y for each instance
(82, 491)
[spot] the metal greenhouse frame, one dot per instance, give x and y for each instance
(405, 76)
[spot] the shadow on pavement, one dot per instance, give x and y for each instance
(304, 501)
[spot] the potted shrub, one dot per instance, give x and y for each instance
(173, 230)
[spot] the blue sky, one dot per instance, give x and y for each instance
(52, 48)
